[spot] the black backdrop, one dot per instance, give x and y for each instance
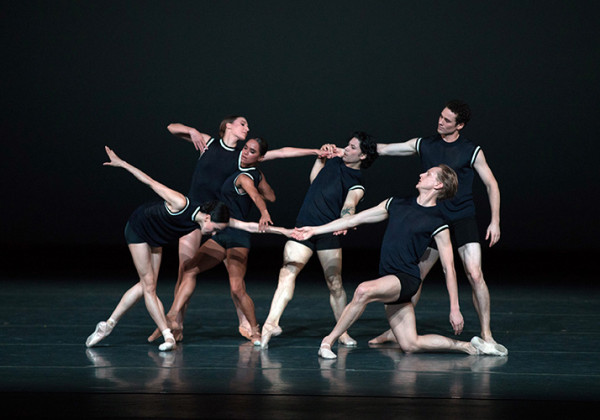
(79, 75)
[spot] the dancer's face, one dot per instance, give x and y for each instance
(210, 227)
(250, 153)
(239, 128)
(447, 123)
(352, 153)
(429, 179)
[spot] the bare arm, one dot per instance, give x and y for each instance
(444, 244)
(175, 200)
(408, 148)
(265, 190)
(290, 152)
(247, 184)
(491, 185)
(349, 208)
(373, 215)
(326, 151)
(253, 227)
(190, 134)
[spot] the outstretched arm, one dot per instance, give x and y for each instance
(247, 184)
(289, 152)
(175, 200)
(190, 134)
(491, 185)
(253, 227)
(407, 148)
(444, 245)
(373, 215)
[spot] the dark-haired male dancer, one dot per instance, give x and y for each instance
(449, 147)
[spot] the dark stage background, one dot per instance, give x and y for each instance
(80, 75)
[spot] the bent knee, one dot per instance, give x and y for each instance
(362, 294)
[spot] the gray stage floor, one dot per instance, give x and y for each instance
(552, 331)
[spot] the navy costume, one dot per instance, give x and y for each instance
(411, 227)
(156, 225)
(217, 163)
(460, 155)
(239, 204)
(324, 200)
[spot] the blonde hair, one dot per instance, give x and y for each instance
(448, 178)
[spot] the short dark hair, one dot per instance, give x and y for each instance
(263, 146)
(217, 210)
(368, 146)
(461, 109)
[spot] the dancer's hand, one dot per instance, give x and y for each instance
(303, 233)
(114, 159)
(493, 233)
(264, 222)
(457, 322)
(198, 140)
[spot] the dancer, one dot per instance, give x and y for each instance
(239, 192)
(335, 190)
(149, 228)
(413, 222)
(453, 149)
(218, 160)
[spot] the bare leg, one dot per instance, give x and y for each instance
(331, 261)
(237, 261)
(208, 256)
(295, 257)
(188, 245)
(403, 324)
(470, 255)
(427, 262)
(147, 263)
(384, 289)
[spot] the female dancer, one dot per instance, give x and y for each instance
(218, 160)
(240, 191)
(149, 228)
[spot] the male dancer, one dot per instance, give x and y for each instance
(335, 190)
(450, 148)
(413, 222)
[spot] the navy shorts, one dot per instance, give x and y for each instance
(232, 238)
(462, 232)
(321, 242)
(409, 286)
(131, 237)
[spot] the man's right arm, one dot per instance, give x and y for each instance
(408, 148)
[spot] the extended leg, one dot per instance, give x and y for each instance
(403, 324)
(384, 289)
(295, 257)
